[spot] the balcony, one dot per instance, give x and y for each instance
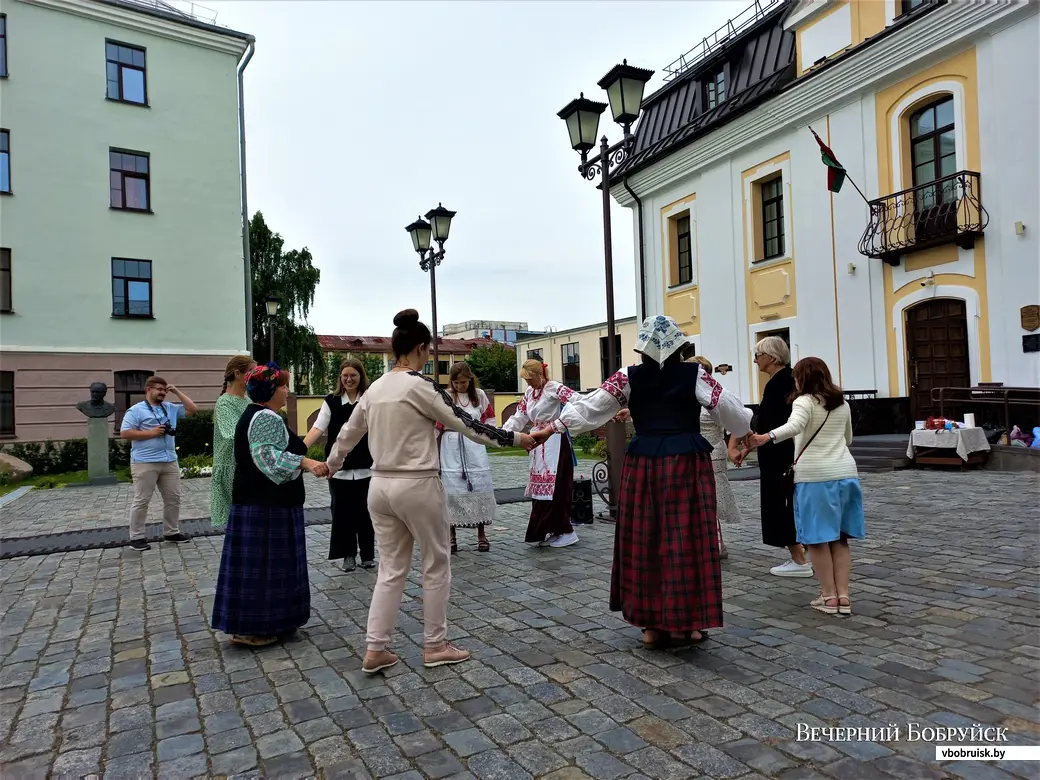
(945, 211)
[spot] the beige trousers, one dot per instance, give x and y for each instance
(405, 511)
(147, 477)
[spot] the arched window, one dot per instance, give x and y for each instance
(933, 153)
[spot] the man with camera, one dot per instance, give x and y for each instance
(151, 428)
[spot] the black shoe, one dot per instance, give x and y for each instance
(349, 564)
(177, 538)
(368, 564)
(140, 544)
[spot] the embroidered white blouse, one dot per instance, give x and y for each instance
(590, 411)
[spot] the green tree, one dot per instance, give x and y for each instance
(290, 276)
(495, 367)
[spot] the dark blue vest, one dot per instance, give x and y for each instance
(665, 410)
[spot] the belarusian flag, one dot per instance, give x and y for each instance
(835, 170)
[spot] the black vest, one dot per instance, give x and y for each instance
(665, 410)
(359, 457)
(251, 486)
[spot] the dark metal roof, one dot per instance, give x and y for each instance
(760, 63)
(163, 10)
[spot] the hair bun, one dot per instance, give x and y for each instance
(406, 318)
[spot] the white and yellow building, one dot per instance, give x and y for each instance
(577, 357)
(932, 108)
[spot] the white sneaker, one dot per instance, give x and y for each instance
(563, 540)
(792, 569)
(547, 540)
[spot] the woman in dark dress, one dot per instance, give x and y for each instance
(666, 577)
(263, 592)
(773, 357)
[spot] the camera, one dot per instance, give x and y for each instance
(168, 429)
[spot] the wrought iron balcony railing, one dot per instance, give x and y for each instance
(946, 211)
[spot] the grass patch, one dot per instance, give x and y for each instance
(53, 481)
(520, 451)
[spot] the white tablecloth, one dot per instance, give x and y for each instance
(964, 440)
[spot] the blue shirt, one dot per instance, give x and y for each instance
(144, 417)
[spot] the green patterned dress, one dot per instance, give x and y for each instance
(225, 417)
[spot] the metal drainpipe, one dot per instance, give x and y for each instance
(642, 255)
(247, 264)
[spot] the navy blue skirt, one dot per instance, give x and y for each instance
(262, 587)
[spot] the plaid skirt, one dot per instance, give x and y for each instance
(666, 573)
(262, 586)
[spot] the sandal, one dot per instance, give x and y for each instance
(846, 607)
(653, 639)
(253, 641)
(483, 545)
(825, 604)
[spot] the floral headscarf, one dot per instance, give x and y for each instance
(261, 382)
(659, 338)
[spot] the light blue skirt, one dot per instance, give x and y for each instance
(828, 511)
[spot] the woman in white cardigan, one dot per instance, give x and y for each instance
(828, 501)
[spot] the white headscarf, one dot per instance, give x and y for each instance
(659, 338)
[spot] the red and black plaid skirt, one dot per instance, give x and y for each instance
(666, 571)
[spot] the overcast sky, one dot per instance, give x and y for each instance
(362, 115)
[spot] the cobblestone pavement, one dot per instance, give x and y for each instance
(109, 666)
(67, 509)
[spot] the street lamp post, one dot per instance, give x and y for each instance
(273, 304)
(421, 232)
(624, 85)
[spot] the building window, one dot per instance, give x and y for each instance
(443, 367)
(129, 391)
(131, 288)
(5, 161)
(571, 366)
(716, 88)
(428, 368)
(906, 6)
(124, 70)
(129, 180)
(534, 354)
(3, 45)
(6, 403)
(682, 243)
(933, 153)
(5, 281)
(773, 217)
(605, 369)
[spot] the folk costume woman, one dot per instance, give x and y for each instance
(263, 591)
(351, 523)
(232, 402)
(666, 576)
(551, 483)
(465, 468)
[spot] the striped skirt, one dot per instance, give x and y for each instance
(262, 586)
(666, 573)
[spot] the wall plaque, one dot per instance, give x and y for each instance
(1030, 317)
(723, 368)
(1031, 343)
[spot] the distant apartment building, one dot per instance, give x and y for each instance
(577, 357)
(121, 206)
(502, 332)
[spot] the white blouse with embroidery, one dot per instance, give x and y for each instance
(588, 412)
(540, 408)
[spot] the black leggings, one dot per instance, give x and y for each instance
(351, 523)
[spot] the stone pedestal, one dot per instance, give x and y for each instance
(97, 452)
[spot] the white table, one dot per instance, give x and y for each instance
(968, 445)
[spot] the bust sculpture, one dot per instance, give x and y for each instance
(97, 406)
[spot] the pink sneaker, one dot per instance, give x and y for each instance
(376, 662)
(445, 655)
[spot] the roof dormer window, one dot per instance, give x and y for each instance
(715, 88)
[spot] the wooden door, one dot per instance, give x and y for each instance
(937, 353)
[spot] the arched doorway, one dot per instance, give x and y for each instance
(937, 352)
(508, 412)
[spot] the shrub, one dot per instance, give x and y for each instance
(118, 454)
(600, 450)
(195, 434)
(316, 452)
(585, 442)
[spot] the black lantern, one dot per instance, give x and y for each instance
(273, 304)
(440, 219)
(624, 85)
(582, 118)
(420, 231)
